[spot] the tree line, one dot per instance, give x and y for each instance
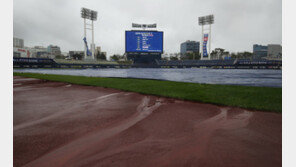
(98, 55)
(218, 53)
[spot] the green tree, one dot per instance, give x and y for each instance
(247, 55)
(218, 53)
(191, 56)
(60, 57)
(214, 54)
(233, 55)
(174, 58)
(117, 57)
(241, 55)
(101, 56)
(114, 57)
(78, 56)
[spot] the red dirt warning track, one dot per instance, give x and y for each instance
(59, 124)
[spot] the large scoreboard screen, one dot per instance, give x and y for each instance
(144, 41)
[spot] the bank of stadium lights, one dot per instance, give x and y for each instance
(202, 21)
(90, 15)
(205, 20)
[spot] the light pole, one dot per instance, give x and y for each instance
(91, 15)
(205, 37)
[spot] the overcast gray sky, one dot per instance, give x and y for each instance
(238, 23)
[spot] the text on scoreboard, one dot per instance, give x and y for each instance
(143, 41)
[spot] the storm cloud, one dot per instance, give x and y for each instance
(238, 23)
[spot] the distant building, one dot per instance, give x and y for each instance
(18, 43)
(189, 46)
(39, 51)
(54, 50)
(21, 52)
(98, 49)
(259, 51)
(77, 55)
(274, 51)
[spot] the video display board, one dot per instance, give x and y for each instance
(144, 41)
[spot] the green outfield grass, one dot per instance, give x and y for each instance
(255, 98)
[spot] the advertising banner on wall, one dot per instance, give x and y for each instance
(204, 45)
(87, 50)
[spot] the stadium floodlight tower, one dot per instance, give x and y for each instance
(90, 15)
(206, 35)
